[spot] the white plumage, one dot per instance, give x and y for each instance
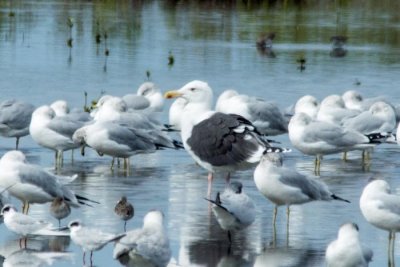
(347, 250)
(147, 246)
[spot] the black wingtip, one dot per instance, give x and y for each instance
(216, 202)
(169, 128)
(178, 144)
(273, 141)
(81, 198)
(377, 138)
(276, 150)
(335, 197)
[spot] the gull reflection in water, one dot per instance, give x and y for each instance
(32, 258)
(40, 251)
(289, 257)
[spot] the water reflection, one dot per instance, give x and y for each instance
(31, 258)
(338, 46)
(264, 44)
(40, 251)
(289, 257)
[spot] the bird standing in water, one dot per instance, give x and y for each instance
(59, 209)
(124, 210)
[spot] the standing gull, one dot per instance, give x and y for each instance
(32, 184)
(347, 250)
(146, 246)
(216, 141)
(120, 140)
(265, 116)
(90, 239)
(115, 109)
(285, 186)
(319, 138)
(233, 209)
(124, 209)
(53, 132)
(381, 208)
(15, 117)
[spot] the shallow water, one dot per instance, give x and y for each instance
(212, 41)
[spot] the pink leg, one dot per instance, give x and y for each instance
(210, 179)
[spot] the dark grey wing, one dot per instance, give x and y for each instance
(268, 118)
(224, 139)
(16, 114)
(34, 175)
(308, 186)
(65, 126)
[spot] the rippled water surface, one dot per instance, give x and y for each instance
(212, 41)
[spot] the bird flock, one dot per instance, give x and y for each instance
(233, 134)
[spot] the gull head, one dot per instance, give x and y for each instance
(300, 119)
(352, 99)
(13, 156)
(7, 209)
(115, 104)
(381, 108)
(79, 136)
(236, 187)
(225, 95)
(147, 89)
(153, 218)
(101, 101)
(348, 229)
(307, 104)
(377, 185)
(334, 101)
(44, 112)
(60, 107)
(194, 92)
(273, 158)
(353, 96)
(75, 225)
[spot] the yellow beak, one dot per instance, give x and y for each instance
(172, 94)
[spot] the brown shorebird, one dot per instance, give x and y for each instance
(124, 210)
(59, 209)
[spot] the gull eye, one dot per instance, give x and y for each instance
(192, 89)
